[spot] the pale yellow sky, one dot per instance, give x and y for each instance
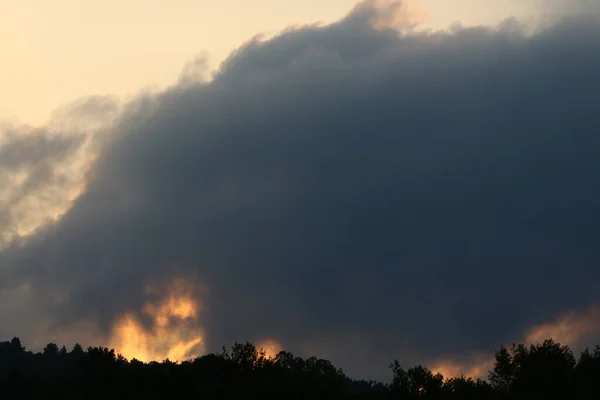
(54, 51)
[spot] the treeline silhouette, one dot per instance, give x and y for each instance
(543, 371)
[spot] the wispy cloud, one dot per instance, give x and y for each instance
(570, 328)
(389, 14)
(43, 170)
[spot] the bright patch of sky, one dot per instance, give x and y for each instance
(53, 52)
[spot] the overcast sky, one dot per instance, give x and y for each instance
(377, 186)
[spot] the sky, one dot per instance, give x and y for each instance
(364, 182)
(55, 52)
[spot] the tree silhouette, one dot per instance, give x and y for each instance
(51, 350)
(77, 350)
(416, 382)
(547, 370)
(502, 377)
(16, 344)
(586, 374)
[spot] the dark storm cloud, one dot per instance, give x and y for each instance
(342, 188)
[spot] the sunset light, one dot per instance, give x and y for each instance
(174, 333)
(300, 199)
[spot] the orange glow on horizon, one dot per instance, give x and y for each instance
(476, 369)
(174, 334)
(568, 329)
(270, 347)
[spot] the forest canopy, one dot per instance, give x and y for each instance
(539, 371)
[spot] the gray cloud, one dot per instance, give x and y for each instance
(572, 7)
(20, 149)
(411, 196)
(29, 164)
(42, 168)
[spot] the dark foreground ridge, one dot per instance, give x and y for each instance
(543, 371)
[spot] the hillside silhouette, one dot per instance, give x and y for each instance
(547, 370)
